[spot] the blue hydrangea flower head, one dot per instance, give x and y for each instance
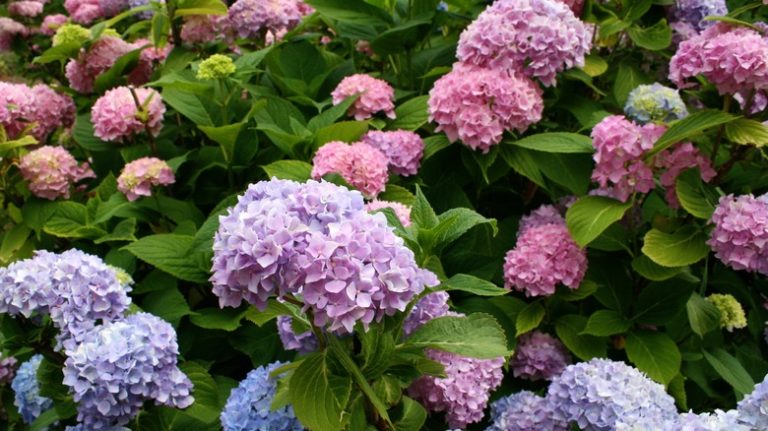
(655, 102)
(753, 409)
(524, 411)
(248, 406)
(26, 391)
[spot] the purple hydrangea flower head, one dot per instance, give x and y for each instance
(81, 427)
(537, 37)
(7, 369)
(253, 18)
(598, 394)
(524, 411)
(753, 409)
(304, 342)
(120, 365)
(314, 240)
(717, 421)
(248, 407)
(740, 236)
(429, 307)
(539, 356)
(27, 286)
(111, 8)
(403, 212)
(693, 12)
(476, 105)
(651, 103)
(375, 95)
(26, 391)
(403, 148)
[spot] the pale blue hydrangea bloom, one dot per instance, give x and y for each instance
(524, 411)
(753, 409)
(26, 390)
(655, 102)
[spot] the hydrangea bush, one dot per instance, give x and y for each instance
(334, 215)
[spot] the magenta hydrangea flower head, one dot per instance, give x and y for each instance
(140, 175)
(429, 307)
(82, 72)
(476, 105)
(83, 11)
(25, 8)
(375, 95)
(52, 110)
(402, 212)
(674, 161)
(524, 411)
(734, 59)
(150, 57)
(740, 236)
(598, 394)
(539, 356)
(403, 148)
(304, 342)
(120, 365)
(362, 166)
(198, 29)
(545, 255)
(9, 29)
(254, 18)
(693, 12)
(17, 107)
(116, 116)
(314, 241)
(619, 149)
(536, 37)
(52, 171)
(111, 8)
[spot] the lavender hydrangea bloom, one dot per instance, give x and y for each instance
(27, 391)
(598, 394)
(655, 102)
(753, 409)
(429, 307)
(539, 356)
(524, 411)
(304, 342)
(81, 427)
(120, 365)
(717, 421)
(248, 407)
(7, 369)
(317, 241)
(26, 285)
(693, 12)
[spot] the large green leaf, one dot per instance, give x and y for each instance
(169, 252)
(82, 133)
(588, 217)
(472, 284)
(658, 303)
(410, 115)
(606, 322)
(201, 7)
(696, 197)
(747, 132)
(703, 316)
(353, 11)
(477, 336)
(585, 347)
(730, 369)
(227, 319)
(319, 397)
(289, 170)
(187, 104)
(556, 142)
(529, 318)
(207, 405)
(690, 126)
(345, 131)
(654, 353)
(653, 271)
(226, 136)
(454, 223)
(684, 247)
(654, 38)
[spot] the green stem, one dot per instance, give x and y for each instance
(716, 148)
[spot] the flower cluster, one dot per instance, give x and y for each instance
(524, 411)
(716, 421)
(249, 405)
(361, 165)
(731, 312)
(674, 161)
(476, 105)
(429, 307)
(735, 59)
(253, 18)
(82, 71)
(753, 409)
(314, 240)
(403, 148)
(199, 29)
(538, 38)
(39, 107)
(7, 369)
(70, 34)
(545, 255)
(740, 236)
(9, 29)
(26, 388)
(84, 11)
(539, 356)
(402, 212)
(120, 365)
(304, 342)
(112, 7)
(373, 95)
(598, 394)
(123, 112)
(52, 23)
(26, 8)
(652, 103)
(693, 12)
(140, 175)
(217, 66)
(51, 172)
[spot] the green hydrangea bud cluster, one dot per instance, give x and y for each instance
(731, 312)
(216, 66)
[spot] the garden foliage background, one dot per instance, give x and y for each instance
(650, 265)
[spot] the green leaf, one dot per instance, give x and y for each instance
(703, 316)
(652, 271)
(654, 38)
(585, 347)
(345, 131)
(167, 303)
(730, 369)
(637, 9)
(187, 104)
(207, 405)
(124, 231)
(356, 11)
(589, 216)
(603, 323)
(398, 39)
(23, 141)
(409, 415)
(13, 241)
(82, 133)
(410, 115)
(471, 284)
(747, 132)
(696, 197)
(201, 7)
(227, 319)
(556, 142)
(434, 144)
(594, 65)
(62, 53)
(377, 347)
(395, 193)
(169, 252)
(454, 223)
(585, 290)
(477, 336)
(684, 247)
(689, 127)
(226, 136)
(654, 353)
(529, 318)
(658, 303)
(524, 163)
(422, 213)
(273, 310)
(330, 115)
(319, 398)
(628, 77)
(289, 170)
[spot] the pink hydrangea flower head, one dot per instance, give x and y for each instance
(83, 11)
(619, 149)
(199, 29)
(375, 95)
(539, 356)
(52, 110)
(674, 161)
(544, 256)
(735, 59)
(51, 23)
(402, 212)
(17, 108)
(476, 105)
(51, 171)
(543, 215)
(140, 175)
(361, 165)
(740, 236)
(538, 37)
(254, 18)
(115, 115)
(149, 57)
(8, 30)
(25, 8)
(102, 55)
(403, 148)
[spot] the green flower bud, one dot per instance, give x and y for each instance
(731, 313)
(216, 66)
(71, 33)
